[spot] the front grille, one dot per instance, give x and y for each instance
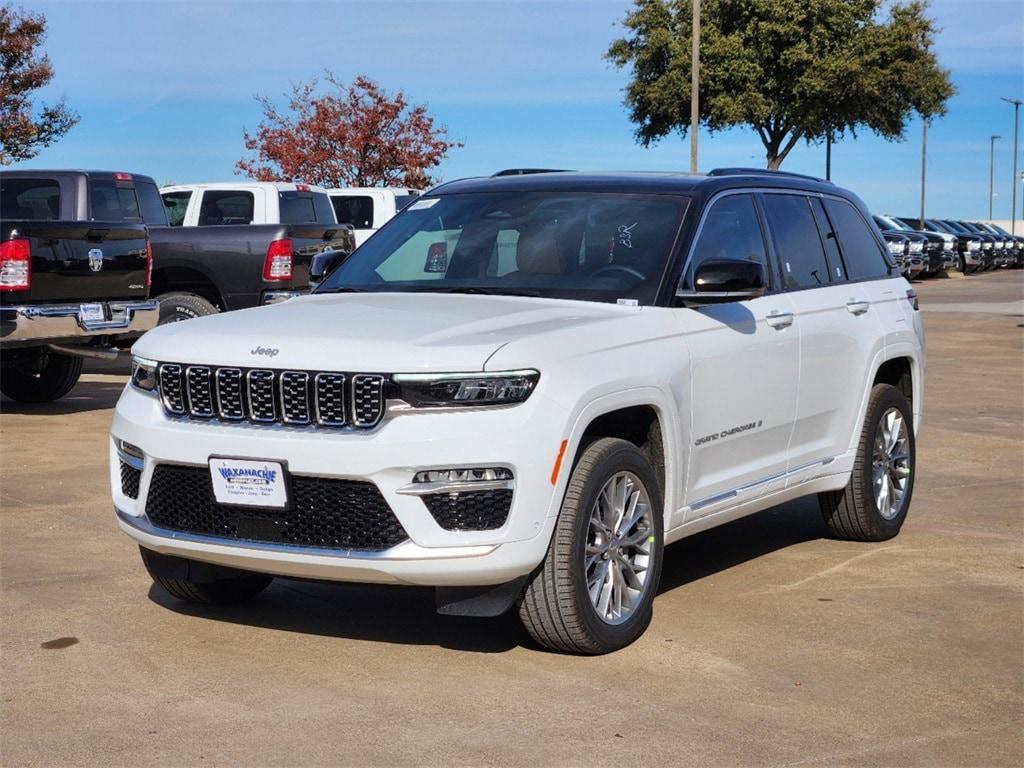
(470, 510)
(130, 477)
(265, 396)
(326, 513)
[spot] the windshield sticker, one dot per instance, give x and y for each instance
(628, 302)
(424, 203)
(626, 234)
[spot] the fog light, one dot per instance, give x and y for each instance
(474, 475)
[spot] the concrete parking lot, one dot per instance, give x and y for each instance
(771, 644)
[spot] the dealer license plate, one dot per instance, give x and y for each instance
(90, 313)
(248, 483)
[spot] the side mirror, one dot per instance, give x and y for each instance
(719, 281)
(323, 263)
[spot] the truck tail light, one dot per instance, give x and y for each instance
(912, 298)
(149, 265)
(15, 265)
(278, 264)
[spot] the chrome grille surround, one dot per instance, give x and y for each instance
(266, 396)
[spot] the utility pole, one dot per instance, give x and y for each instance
(695, 86)
(1016, 116)
(924, 156)
(991, 169)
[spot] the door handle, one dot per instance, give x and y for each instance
(858, 306)
(778, 319)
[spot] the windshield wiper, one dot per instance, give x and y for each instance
(480, 290)
(343, 289)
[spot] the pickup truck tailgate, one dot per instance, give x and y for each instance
(81, 261)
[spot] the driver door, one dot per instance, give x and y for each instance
(744, 363)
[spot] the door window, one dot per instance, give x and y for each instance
(861, 253)
(797, 242)
(730, 231)
(176, 204)
(356, 210)
(226, 207)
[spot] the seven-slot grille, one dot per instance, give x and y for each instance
(266, 396)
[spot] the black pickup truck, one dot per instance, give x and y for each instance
(225, 262)
(74, 274)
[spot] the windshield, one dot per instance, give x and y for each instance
(890, 223)
(571, 245)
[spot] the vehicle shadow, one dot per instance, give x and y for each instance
(86, 396)
(406, 615)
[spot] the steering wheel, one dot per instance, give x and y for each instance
(619, 268)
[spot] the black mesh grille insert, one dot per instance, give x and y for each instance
(470, 511)
(130, 477)
(326, 513)
(367, 399)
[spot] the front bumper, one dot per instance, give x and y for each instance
(387, 456)
(42, 323)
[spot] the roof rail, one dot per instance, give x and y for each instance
(526, 171)
(763, 172)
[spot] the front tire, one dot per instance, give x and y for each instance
(237, 588)
(42, 379)
(875, 502)
(595, 589)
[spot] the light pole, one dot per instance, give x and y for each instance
(991, 168)
(924, 156)
(1013, 208)
(695, 86)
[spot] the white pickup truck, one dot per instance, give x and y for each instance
(244, 202)
(523, 388)
(369, 208)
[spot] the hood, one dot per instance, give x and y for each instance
(370, 332)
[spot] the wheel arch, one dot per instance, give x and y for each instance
(642, 416)
(173, 279)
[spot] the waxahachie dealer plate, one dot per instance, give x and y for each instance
(249, 483)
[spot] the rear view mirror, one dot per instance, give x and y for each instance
(323, 264)
(718, 281)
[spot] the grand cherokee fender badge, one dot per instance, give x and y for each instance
(95, 259)
(266, 352)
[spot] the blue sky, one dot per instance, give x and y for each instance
(167, 88)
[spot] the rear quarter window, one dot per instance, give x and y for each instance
(862, 254)
(29, 198)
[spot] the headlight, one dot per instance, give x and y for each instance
(987, 246)
(916, 246)
(973, 245)
(461, 390)
(895, 248)
(144, 374)
(947, 245)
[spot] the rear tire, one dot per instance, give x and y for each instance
(223, 591)
(883, 471)
(28, 383)
(586, 556)
(175, 307)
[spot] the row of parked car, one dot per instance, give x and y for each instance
(928, 247)
(89, 259)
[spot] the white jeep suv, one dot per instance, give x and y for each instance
(522, 388)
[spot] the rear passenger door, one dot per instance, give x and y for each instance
(744, 362)
(839, 330)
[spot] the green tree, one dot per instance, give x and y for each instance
(791, 69)
(23, 133)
